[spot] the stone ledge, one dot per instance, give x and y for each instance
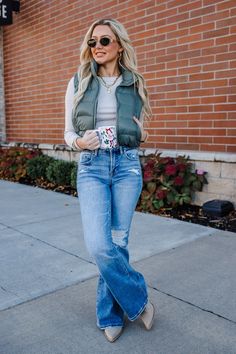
(46, 146)
(18, 144)
(193, 155)
(61, 147)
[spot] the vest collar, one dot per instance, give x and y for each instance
(127, 76)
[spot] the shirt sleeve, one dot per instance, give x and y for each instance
(70, 135)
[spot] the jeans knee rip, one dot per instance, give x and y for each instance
(120, 237)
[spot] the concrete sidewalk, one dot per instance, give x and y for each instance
(48, 281)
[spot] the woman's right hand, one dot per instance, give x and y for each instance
(89, 141)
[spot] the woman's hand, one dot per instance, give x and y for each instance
(89, 141)
(144, 133)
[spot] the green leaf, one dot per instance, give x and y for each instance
(156, 204)
(151, 187)
(170, 197)
(177, 198)
(197, 185)
(145, 195)
(185, 190)
(192, 178)
(187, 199)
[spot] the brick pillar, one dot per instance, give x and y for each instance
(2, 100)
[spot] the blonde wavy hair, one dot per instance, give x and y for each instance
(127, 60)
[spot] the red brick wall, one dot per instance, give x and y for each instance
(186, 51)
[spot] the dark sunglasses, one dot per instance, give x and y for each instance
(104, 41)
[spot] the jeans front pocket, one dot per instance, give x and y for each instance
(86, 157)
(132, 154)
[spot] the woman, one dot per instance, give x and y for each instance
(105, 104)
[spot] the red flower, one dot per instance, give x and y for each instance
(147, 176)
(181, 167)
(161, 194)
(179, 181)
(150, 163)
(170, 170)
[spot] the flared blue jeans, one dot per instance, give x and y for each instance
(109, 183)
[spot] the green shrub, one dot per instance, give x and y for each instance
(36, 167)
(27, 165)
(168, 182)
(74, 175)
(59, 172)
(13, 162)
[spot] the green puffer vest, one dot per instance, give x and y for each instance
(129, 104)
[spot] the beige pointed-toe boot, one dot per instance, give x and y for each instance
(113, 332)
(147, 316)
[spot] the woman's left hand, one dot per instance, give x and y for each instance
(143, 132)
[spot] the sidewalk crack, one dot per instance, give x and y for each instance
(3, 288)
(37, 297)
(8, 291)
(39, 221)
(191, 304)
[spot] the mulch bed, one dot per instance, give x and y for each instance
(195, 214)
(188, 212)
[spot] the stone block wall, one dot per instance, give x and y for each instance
(221, 181)
(221, 174)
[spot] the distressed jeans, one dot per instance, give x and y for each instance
(109, 183)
